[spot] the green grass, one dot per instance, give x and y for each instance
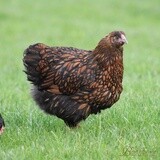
(130, 129)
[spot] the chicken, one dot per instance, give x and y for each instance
(72, 83)
(2, 125)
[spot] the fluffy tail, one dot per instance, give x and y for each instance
(32, 57)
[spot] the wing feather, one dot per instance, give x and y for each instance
(60, 70)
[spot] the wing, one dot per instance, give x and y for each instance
(60, 69)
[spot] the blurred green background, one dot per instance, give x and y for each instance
(130, 129)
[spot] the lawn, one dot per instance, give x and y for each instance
(128, 130)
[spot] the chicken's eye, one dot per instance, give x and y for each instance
(116, 38)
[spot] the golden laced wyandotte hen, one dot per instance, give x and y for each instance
(72, 83)
(2, 125)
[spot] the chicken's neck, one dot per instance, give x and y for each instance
(106, 55)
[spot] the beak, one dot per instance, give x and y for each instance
(123, 38)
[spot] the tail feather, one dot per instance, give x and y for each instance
(31, 61)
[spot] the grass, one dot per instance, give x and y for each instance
(130, 129)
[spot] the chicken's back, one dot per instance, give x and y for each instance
(68, 68)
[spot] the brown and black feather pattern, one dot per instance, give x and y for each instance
(72, 83)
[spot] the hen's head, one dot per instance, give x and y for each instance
(116, 38)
